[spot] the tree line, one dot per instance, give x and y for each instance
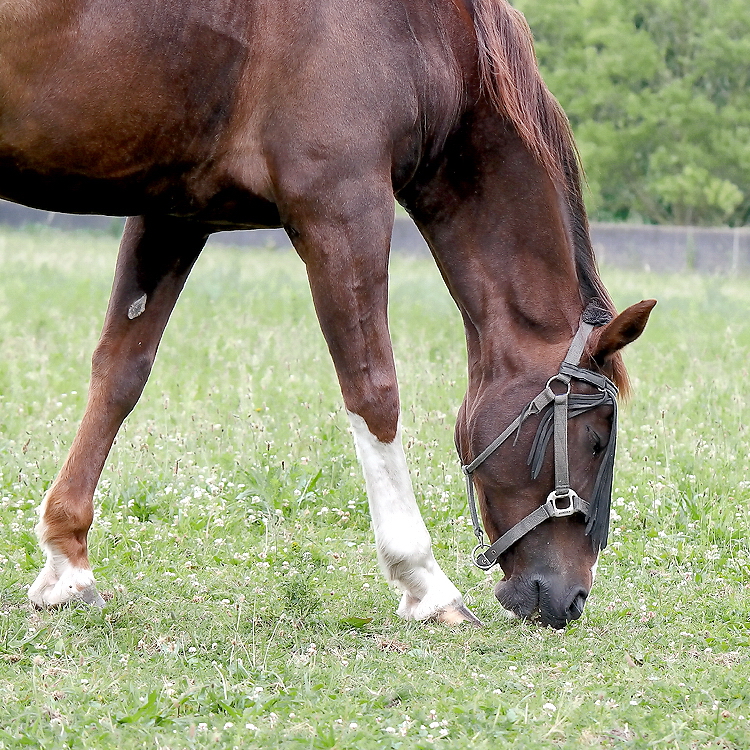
(658, 94)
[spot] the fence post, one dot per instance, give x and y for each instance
(736, 250)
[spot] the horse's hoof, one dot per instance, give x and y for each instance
(71, 585)
(458, 615)
(91, 596)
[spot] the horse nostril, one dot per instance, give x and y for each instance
(577, 603)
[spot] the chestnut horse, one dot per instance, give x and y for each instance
(192, 117)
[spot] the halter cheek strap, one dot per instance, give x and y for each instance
(562, 501)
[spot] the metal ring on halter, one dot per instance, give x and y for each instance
(560, 378)
(479, 559)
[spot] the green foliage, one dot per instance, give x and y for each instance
(658, 92)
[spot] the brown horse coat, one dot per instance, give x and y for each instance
(311, 114)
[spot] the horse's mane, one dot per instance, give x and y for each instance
(510, 77)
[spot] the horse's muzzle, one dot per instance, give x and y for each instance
(550, 599)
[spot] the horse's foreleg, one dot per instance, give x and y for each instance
(402, 540)
(347, 260)
(155, 258)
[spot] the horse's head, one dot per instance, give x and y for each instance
(538, 449)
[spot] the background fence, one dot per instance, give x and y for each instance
(643, 247)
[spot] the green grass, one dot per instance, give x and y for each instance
(233, 537)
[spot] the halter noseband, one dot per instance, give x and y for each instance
(563, 500)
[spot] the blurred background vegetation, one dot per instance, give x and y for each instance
(658, 93)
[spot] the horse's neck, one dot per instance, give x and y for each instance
(498, 229)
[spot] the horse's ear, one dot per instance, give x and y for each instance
(621, 331)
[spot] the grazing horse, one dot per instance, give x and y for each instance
(197, 116)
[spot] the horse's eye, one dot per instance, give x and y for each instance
(596, 442)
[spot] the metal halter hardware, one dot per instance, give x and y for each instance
(562, 501)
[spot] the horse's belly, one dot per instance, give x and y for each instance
(209, 198)
(60, 190)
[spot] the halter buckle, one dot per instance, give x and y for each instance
(555, 510)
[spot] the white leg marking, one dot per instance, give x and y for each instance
(401, 538)
(60, 582)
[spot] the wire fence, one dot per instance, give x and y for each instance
(719, 250)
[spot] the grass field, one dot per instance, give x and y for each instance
(233, 538)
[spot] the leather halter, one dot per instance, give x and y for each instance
(563, 500)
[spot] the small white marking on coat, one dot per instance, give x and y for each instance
(137, 307)
(593, 571)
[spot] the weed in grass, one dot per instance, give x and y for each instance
(301, 601)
